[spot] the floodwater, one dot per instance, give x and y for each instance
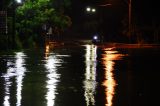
(84, 75)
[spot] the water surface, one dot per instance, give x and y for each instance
(85, 75)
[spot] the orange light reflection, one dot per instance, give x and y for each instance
(47, 50)
(110, 83)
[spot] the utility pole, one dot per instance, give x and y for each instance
(129, 19)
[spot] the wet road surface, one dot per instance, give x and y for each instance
(85, 75)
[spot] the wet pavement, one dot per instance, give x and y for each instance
(80, 75)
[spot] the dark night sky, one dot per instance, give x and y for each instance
(141, 9)
(145, 12)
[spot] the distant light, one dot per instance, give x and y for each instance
(19, 1)
(93, 10)
(88, 9)
(95, 37)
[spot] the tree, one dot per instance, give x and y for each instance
(33, 14)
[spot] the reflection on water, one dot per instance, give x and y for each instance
(51, 66)
(52, 79)
(53, 62)
(15, 70)
(90, 74)
(110, 83)
(47, 49)
(55, 79)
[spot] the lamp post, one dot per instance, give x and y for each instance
(129, 2)
(129, 18)
(92, 10)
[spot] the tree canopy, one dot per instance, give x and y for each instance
(32, 15)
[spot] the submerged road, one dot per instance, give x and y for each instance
(80, 74)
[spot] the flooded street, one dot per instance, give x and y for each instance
(85, 75)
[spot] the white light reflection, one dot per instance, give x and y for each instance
(52, 80)
(52, 63)
(90, 74)
(15, 69)
(110, 83)
(20, 70)
(7, 92)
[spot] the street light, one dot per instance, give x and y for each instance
(90, 9)
(19, 1)
(93, 10)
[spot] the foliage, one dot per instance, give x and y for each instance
(33, 14)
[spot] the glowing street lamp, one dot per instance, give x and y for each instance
(19, 1)
(90, 9)
(93, 10)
